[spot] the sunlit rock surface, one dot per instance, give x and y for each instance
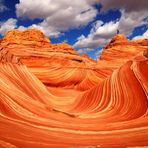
(52, 97)
(118, 52)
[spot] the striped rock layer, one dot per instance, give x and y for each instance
(52, 97)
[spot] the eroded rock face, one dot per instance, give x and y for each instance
(33, 49)
(33, 43)
(60, 99)
(120, 48)
(27, 37)
(34, 40)
(143, 42)
(145, 53)
(118, 52)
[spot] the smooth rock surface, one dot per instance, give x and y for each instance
(52, 97)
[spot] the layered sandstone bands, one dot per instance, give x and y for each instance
(120, 48)
(118, 52)
(56, 101)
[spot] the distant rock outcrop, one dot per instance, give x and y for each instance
(34, 40)
(27, 37)
(36, 51)
(120, 48)
(118, 52)
(87, 57)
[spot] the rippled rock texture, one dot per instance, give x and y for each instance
(52, 97)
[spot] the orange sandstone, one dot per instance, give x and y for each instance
(52, 97)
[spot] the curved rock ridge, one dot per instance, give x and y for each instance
(50, 99)
(33, 116)
(87, 57)
(120, 48)
(118, 52)
(40, 55)
(27, 37)
(143, 42)
(33, 39)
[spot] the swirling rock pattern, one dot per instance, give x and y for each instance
(60, 99)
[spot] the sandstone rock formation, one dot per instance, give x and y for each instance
(119, 51)
(39, 54)
(52, 97)
(143, 42)
(145, 53)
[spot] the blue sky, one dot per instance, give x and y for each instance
(88, 25)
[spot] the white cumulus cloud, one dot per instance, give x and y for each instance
(58, 16)
(101, 33)
(85, 50)
(7, 25)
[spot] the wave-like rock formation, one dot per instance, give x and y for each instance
(118, 52)
(52, 97)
